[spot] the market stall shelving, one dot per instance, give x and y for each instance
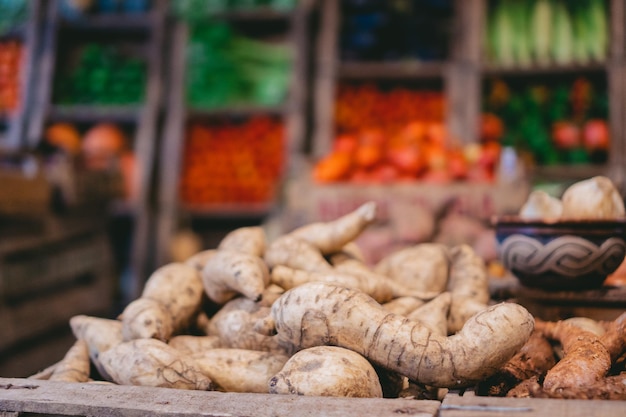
(172, 212)
(27, 33)
(145, 31)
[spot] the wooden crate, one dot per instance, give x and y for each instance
(46, 398)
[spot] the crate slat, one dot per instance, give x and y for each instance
(470, 405)
(47, 397)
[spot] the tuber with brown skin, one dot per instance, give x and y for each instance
(249, 239)
(100, 334)
(75, 365)
(188, 344)
(317, 314)
(296, 253)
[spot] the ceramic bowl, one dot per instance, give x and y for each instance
(561, 254)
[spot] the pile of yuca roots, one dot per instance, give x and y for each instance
(304, 314)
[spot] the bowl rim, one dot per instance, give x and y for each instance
(516, 220)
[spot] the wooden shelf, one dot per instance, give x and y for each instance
(111, 22)
(93, 113)
(392, 70)
(493, 70)
(236, 110)
(568, 172)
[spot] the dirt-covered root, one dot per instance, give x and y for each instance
(249, 239)
(614, 338)
(188, 344)
(318, 314)
(152, 363)
(75, 365)
(534, 359)
(327, 371)
(229, 273)
(333, 235)
(585, 362)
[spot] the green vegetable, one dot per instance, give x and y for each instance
(562, 34)
(541, 33)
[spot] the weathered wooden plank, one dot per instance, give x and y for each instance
(475, 406)
(47, 397)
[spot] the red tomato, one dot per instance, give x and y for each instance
(566, 135)
(596, 135)
(491, 127)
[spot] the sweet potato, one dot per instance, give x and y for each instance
(422, 267)
(403, 305)
(229, 273)
(153, 363)
(169, 302)
(328, 371)
(249, 240)
(188, 344)
(100, 334)
(434, 314)
(468, 283)
(239, 370)
(295, 253)
(534, 359)
(199, 259)
(614, 338)
(234, 325)
(333, 235)
(75, 365)
(585, 361)
(317, 314)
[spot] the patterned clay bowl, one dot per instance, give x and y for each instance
(562, 254)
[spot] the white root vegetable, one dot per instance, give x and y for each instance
(234, 325)
(169, 302)
(153, 363)
(295, 253)
(318, 314)
(188, 344)
(75, 365)
(541, 206)
(468, 283)
(249, 240)
(229, 273)
(239, 370)
(403, 305)
(327, 371)
(100, 335)
(434, 314)
(593, 198)
(199, 259)
(332, 236)
(376, 286)
(422, 267)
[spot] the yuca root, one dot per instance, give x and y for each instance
(317, 314)
(585, 361)
(534, 359)
(75, 365)
(250, 240)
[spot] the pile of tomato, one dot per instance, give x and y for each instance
(231, 162)
(11, 53)
(399, 135)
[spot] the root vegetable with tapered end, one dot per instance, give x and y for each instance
(422, 267)
(250, 239)
(318, 314)
(434, 314)
(199, 259)
(169, 303)
(229, 273)
(188, 344)
(295, 253)
(100, 334)
(240, 370)
(234, 325)
(403, 305)
(534, 359)
(75, 365)
(378, 287)
(153, 363)
(468, 283)
(614, 337)
(327, 371)
(333, 235)
(585, 362)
